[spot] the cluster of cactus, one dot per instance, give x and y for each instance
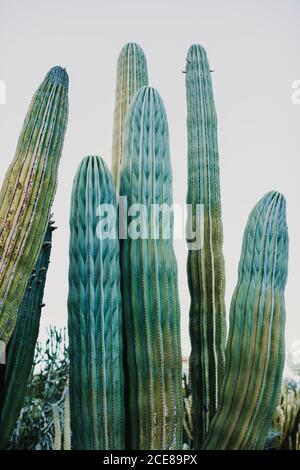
(123, 303)
(234, 397)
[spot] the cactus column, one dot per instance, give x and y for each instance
(205, 266)
(255, 347)
(28, 191)
(149, 281)
(22, 344)
(131, 76)
(95, 315)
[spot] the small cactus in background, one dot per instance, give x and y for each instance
(95, 315)
(131, 76)
(28, 191)
(149, 283)
(206, 277)
(255, 347)
(20, 352)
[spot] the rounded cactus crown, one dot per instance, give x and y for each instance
(58, 75)
(146, 152)
(265, 243)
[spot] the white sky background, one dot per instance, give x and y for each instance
(253, 46)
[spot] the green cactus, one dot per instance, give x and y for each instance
(206, 277)
(27, 193)
(131, 76)
(149, 283)
(95, 315)
(255, 348)
(20, 351)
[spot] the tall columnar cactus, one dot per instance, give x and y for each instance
(149, 281)
(255, 348)
(27, 193)
(95, 314)
(205, 267)
(21, 347)
(131, 76)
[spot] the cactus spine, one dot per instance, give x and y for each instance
(205, 267)
(149, 283)
(255, 348)
(27, 193)
(131, 76)
(22, 344)
(95, 315)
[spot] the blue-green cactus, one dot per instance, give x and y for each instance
(95, 315)
(131, 76)
(149, 283)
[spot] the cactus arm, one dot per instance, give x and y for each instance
(28, 191)
(131, 76)
(149, 284)
(95, 324)
(205, 267)
(22, 344)
(255, 348)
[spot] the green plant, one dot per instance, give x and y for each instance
(131, 76)
(149, 282)
(27, 193)
(206, 277)
(287, 419)
(21, 347)
(95, 316)
(255, 347)
(46, 387)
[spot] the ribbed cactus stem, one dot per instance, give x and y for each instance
(20, 351)
(95, 314)
(149, 283)
(255, 348)
(131, 76)
(28, 191)
(206, 276)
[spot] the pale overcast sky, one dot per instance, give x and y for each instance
(253, 46)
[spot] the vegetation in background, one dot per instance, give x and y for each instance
(46, 388)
